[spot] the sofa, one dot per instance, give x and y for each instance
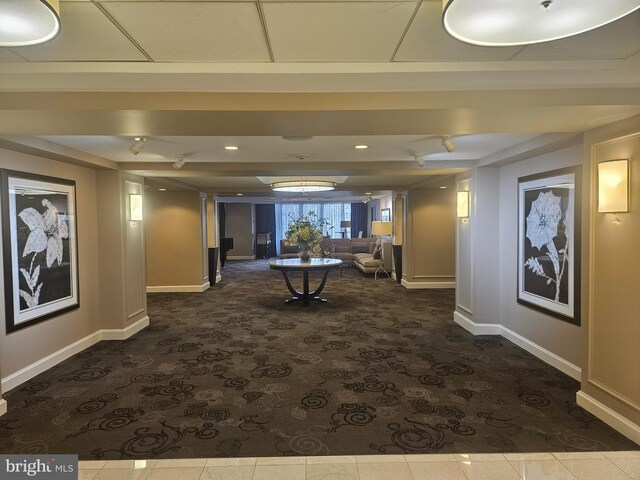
(358, 252)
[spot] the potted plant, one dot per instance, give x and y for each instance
(305, 232)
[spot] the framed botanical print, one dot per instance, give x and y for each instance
(40, 253)
(549, 243)
(385, 214)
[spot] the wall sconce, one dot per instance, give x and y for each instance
(135, 207)
(613, 186)
(463, 205)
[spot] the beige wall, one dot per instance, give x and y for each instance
(26, 346)
(561, 338)
(611, 276)
(115, 260)
(240, 225)
(429, 241)
(176, 240)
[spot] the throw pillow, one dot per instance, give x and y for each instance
(290, 249)
(372, 247)
(359, 249)
(377, 253)
(342, 249)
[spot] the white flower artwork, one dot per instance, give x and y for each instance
(47, 232)
(39, 235)
(547, 250)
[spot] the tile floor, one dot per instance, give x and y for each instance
(516, 466)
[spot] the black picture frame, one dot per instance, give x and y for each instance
(549, 230)
(40, 248)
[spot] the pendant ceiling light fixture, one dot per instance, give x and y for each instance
(28, 22)
(303, 186)
(495, 23)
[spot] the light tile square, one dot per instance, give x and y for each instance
(594, 469)
(430, 457)
(479, 457)
(228, 473)
(384, 471)
(91, 464)
(631, 466)
(281, 461)
(279, 472)
(131, 464)
(542, 470)
(122, 474)
(529, 456)
(228, 462)
(628, 454)
(380, 459)
(440, 470)
(577, 455)
(489, 470)
(182, 462)
(332, 472)
(184, 473)
(332, 459)
(85, 474)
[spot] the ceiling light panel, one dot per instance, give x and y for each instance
(194, 31)
(336, 31)
(87, 34)
(426, 41)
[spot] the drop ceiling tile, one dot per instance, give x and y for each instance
(336, 32)
(427, 41)
(194, 31)
(87, 34)
(619, 39)
(7, 55)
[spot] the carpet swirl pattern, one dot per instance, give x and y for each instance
(236, 372)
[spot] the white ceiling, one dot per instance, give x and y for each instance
(489, 99)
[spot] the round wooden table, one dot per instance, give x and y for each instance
(286, 265)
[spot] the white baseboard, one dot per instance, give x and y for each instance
(3, 407)
(612, 418)
(124, 333)
(424, 285)
(241, 257)
(18, 378)
(218, 278)
(542, 353)
(178, 288)
(476, 328)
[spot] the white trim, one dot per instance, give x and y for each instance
(393, 276)
(476, 328)
(423, 285)
(218, 278)
(609, 416)
(3, 407)
(18, 378)
(178, 288)
(542, 353)
(124, 333)
(241, 257)
(533, 348)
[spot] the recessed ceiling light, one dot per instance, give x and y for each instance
(162, 189)
(367, 193)
(231, 147)
(361, 147)
(239, 194)
(443, 187)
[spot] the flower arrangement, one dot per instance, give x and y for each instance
(306, 232)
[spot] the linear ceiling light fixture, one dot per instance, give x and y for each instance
(28, 22)
(303, 186)
(138, 145)
(495, 23)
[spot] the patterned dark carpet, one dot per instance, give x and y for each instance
(235, 372)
